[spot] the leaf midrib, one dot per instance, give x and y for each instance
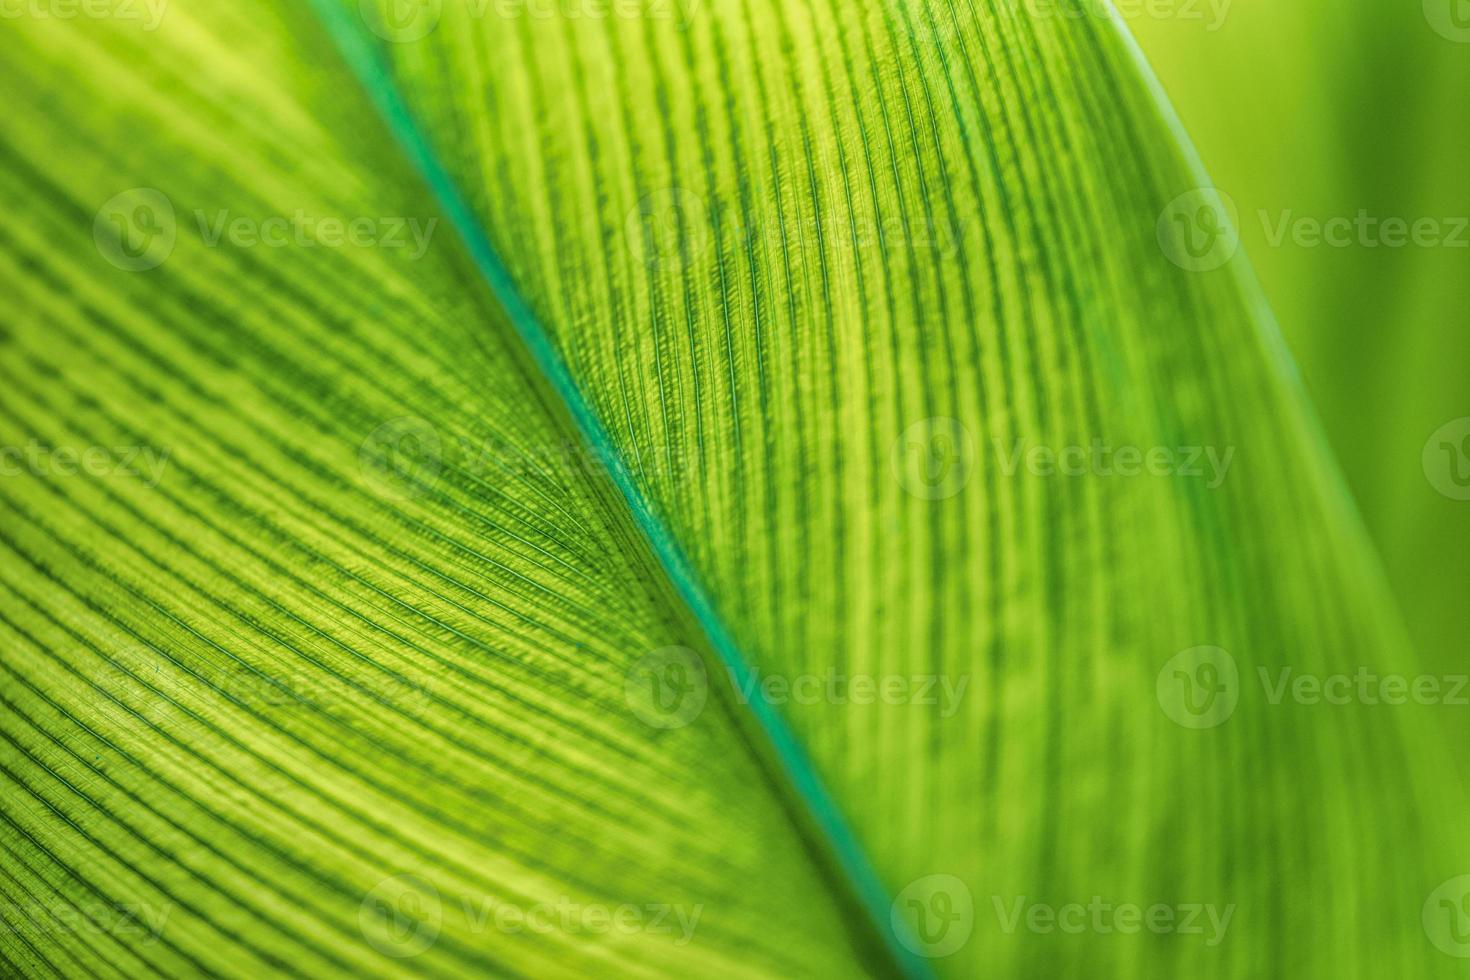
(817, 816)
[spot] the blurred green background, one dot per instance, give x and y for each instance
(1309, 109)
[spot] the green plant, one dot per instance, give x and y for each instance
(817, 476)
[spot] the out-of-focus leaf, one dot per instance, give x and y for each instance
(1311, 113)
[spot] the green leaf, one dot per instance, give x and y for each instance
(334, 685)
(618, 513)
(1361, 108)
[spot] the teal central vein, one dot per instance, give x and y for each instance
(792, 758)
